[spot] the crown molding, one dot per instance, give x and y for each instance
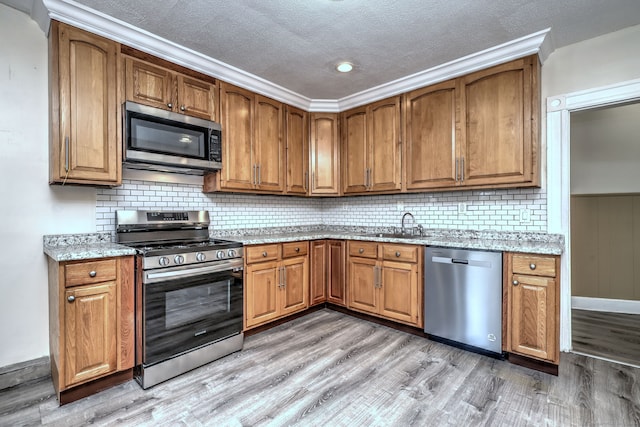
(80, 16)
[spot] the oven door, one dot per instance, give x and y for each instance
(184, 313)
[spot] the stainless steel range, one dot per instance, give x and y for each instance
(189, 292)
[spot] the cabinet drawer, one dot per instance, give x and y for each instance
(261, 253)
(90, 272)
(294, 249)
(407, 253)
(363, 249)
(534, 265)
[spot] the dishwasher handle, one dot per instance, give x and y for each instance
(471, 263)
(459, 261)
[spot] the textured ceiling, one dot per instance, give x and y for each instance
(296, 43)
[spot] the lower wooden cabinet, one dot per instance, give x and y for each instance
(386, 280)
(91, 320)
(327, 282)
(532, 306)
(276, 281)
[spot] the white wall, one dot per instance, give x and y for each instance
(605, 150)
(29, 208)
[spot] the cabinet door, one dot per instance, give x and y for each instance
(195, 97)
(148, 84)
(239, 165)
(268, 145)
(336, 280)
(86, 146)
(533, 317)
(363, 277)
(295, 285)
(325, 155)
(496, 129)
(261, 293)
(430, 140)
(355, 167)
(90, 332)
(319, 271)
(399, 292)
(384, 145)
(297, 143)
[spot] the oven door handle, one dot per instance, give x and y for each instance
(194, 271)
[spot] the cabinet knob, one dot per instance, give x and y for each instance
(297, 249)
(183, 108)
(71, 298)
(397, 253)
(169, 105)
(515, 283)
(361, 250)
(532, 266)
(92, 273)
(264, 254)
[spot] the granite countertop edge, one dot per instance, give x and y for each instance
(74, 247)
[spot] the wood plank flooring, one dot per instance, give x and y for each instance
(613, 336)
(331, 369)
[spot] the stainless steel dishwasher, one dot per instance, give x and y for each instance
(463, 298)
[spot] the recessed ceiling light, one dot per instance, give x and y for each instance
(344, 67)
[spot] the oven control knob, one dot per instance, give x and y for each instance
(231, 253)
(179, 259)
(220, 254)
(200, 256)
(163, 261)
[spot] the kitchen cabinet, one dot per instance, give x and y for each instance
(276, 281)
(91, 321)
(85, 139)
(297, 150)
(480, 130)
(252, 143)
(327, 282)
(532, 306)
(386, 280)
(371, 148)
(150, 84)
(324, 147)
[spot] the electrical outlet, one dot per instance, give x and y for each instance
(345, 207)
(462, 208)
(399, 206)
(525, 216)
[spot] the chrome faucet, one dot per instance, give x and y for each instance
(403, 217)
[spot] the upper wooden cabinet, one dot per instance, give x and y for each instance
(477, 131)
(85, 139)
(252, 143)
(324, 147)
(150, 84)
(499, 111)
(297, 150)
(371, 148)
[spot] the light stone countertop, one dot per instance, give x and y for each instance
(538, 243)
(71, 247)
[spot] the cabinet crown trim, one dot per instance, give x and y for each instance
(93, 21)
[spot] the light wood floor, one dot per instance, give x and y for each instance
(330, 369)
(613, 336)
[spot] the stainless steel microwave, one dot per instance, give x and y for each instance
(160, 140)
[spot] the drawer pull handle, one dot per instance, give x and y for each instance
(532, 266)
(169, 105)
(92, 273)
(264, 254)
(515, 283)
(398, 253)
(297, 249)
(361, 250)
(71, 298)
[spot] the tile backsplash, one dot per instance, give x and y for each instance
(501, 210)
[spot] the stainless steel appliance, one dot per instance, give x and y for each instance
(463, 298)
(161, 140)
(189, 292)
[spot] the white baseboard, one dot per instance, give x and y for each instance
(605, 304)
